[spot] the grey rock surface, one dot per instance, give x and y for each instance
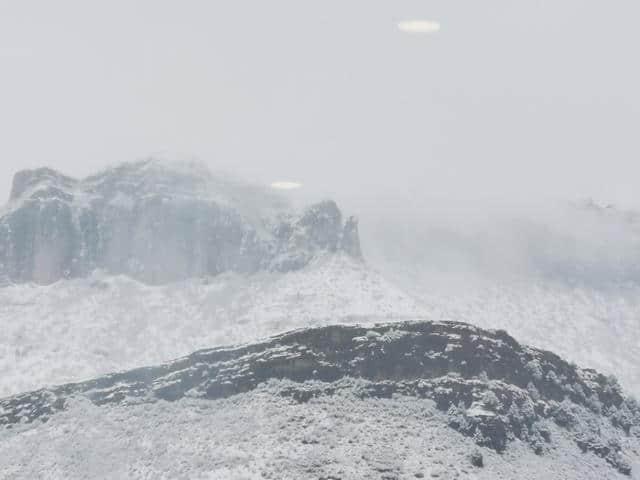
(493, 389)
(158, 223)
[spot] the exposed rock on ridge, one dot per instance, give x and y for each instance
(493, 389)
(158, 223)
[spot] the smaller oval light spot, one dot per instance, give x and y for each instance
(286, 185)
(419, 26)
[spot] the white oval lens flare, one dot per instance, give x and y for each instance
(286, 185)
(419, 26)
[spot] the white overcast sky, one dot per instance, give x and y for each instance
(508, 99)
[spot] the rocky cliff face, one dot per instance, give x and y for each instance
(492, 389)
(158, 223)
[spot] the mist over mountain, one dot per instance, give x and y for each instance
(345, 240)
(147, 261)
(161, 221)
(574, 243)
(559, 275)
(241, 262)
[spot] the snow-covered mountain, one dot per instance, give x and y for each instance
(79, 328)
(158, 222)
(399, 400)
(150, 261)
(106, 317)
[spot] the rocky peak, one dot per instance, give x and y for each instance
(154, 177)
(41, 182)
(157, 222)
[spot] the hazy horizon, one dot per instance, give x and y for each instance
(504, 102)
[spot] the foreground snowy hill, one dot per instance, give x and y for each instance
(400, 400)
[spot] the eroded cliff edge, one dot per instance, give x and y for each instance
(158, 222)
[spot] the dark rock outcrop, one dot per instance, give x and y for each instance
(158, 224)
(351, 238)
(492, 388)
(55, 184)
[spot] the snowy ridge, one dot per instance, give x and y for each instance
(592, 327)
(80, 328)
(461, 380)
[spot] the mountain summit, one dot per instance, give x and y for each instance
(159, 222)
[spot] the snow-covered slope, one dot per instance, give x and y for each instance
(110, 305)
(79, 328)
(395, 401)
(262, 435)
